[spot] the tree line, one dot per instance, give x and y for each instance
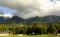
(34, 28)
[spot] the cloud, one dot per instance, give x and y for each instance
(32, 8)
(1, 12)
(7, 15)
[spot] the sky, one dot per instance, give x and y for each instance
(7, 10)
(30, 8)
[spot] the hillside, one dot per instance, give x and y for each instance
(16, 19)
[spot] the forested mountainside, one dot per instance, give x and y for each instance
(18, 20)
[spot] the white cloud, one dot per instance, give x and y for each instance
(32, 8)
(7, 15)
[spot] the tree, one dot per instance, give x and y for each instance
(52, 29)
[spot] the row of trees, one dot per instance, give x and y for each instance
(33, 29)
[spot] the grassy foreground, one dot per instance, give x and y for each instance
(30, 36)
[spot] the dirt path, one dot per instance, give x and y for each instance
(4, 35)
(58, 35)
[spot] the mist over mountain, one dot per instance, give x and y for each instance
(18, 20)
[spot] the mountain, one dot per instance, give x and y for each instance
(46, 19)
(15, 19)
(1, 19)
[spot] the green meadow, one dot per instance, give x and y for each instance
(30, 36)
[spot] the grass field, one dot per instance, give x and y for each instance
(30, 36)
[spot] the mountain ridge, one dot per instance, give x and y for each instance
(16, 19)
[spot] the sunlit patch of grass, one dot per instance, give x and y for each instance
(31, 36)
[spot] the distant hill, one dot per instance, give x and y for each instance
(1, 19)
(16, 19)
(46, 19)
